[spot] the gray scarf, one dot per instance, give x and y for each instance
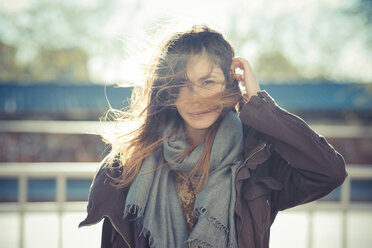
(153, 198)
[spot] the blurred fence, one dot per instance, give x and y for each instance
(62, 187)
(44, 187)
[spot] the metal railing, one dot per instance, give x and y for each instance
(334, 130)
(345, 205)
(63, 171)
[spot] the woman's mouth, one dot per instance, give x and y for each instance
(200, 113)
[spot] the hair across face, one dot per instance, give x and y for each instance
(189, 81)
(171, 69)
(204, 81)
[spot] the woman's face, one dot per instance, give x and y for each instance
(203, 82)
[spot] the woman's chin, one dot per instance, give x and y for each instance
(201, 122)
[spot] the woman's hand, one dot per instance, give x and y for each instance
(248, 77)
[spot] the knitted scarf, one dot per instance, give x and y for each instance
(153, 198)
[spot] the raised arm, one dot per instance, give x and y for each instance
(307, 165)
(302, 160)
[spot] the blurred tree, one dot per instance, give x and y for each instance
(361, 10)
(305, 42)
(52, 40)
(67, 65)
(274, 66)
(271, 63)
(8, 66)
(310, 42)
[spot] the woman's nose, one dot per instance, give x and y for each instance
(198, 91)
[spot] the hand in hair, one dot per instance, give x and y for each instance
(248, 77)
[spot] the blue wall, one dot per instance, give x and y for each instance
(326, 96)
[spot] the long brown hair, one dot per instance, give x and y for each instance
(152, 106)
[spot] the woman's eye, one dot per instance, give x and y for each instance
(208, 82)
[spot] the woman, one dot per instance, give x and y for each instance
(208, 166)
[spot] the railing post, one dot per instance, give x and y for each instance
(310, 235)
(61, 198)
(22, 199)
(345, 205)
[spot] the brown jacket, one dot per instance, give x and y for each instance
(286, 164)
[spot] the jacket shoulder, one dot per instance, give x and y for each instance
(104, 196)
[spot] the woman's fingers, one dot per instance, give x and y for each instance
(236, 63)
(248, 77)
(238, 77)
(240, 63)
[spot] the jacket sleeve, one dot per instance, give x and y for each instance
(302, 160)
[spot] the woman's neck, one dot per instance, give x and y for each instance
(195, 136)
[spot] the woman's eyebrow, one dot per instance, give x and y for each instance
(212, 75)
(205, 77)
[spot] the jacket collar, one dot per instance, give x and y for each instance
(106, 200)
(256, 151)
